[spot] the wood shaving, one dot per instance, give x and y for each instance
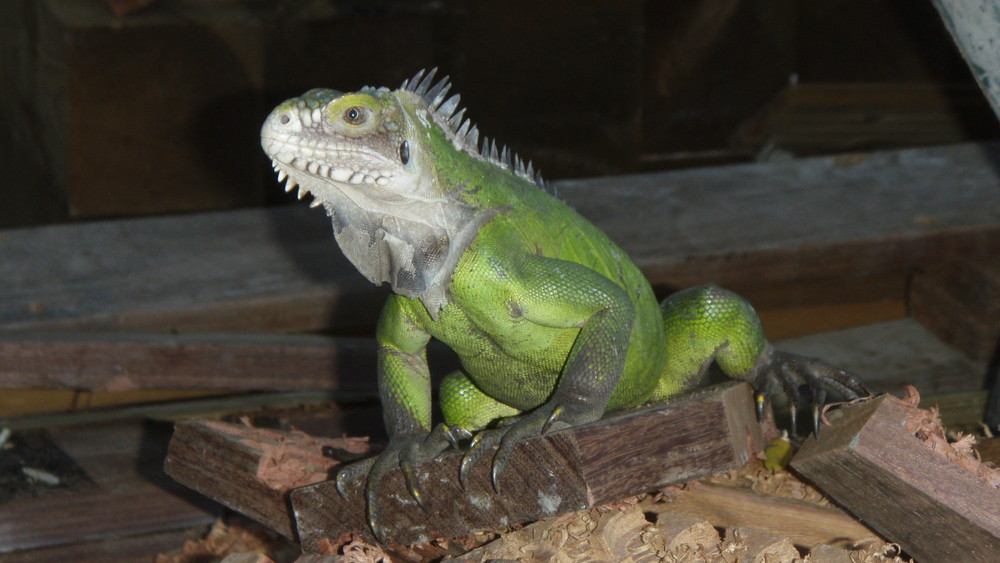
(926, 425)
(776, 482)
(222, 539)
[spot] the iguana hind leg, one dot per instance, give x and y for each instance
(463, 405)
(708, 323)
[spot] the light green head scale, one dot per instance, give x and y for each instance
(393, 170)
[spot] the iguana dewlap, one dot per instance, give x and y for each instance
(552, 322)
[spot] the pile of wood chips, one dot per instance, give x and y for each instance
(644, 528)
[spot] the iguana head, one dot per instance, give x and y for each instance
(374, 159)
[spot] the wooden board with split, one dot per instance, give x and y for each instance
(889, 464)
(699, 435)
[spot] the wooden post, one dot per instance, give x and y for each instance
(256, 471)
(706, 433)
(873, 466)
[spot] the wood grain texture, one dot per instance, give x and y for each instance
(279, 269)
(249, 470)
(706, 433)
(959, 301)
(124, 361)
(130, 497)
(872, 466)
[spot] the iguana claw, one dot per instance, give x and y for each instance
(790, 371)
(513, 431)
(404, 452)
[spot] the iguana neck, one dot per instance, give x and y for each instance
(415, 257)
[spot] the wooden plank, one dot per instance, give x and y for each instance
(279, 270)
(128, 549)
(250, 469)
(825, 118)
(174, 410)
(894, 354)
(640, 450)
(125, 361)
(872, 464)
(959, 301)
(131, 495)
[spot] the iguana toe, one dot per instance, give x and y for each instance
(791, 371)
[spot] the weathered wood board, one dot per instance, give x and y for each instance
(870, 464)
(249, 470)
(121, 361)
(889, 355)
(709, 432)
(959, 301)
(749, 226)
(130, 495)
(706, 433)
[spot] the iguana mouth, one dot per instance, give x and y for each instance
(341, 175)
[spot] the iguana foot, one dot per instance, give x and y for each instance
(549, 416)
(791, 371)
(404, 452)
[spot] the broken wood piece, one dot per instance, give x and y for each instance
(874, 466)
(803, 522)
(705, 433)
(250, 469)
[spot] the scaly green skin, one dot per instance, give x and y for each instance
(552, 322)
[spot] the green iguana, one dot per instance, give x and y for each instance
(552, 323)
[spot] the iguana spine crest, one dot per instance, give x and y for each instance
(462, 132)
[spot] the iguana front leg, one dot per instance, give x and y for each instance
(405, 392)
(564, 295)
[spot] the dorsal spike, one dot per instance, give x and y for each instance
(462, 131)
(472, 137)
(494, 155)
(505, 157)
(456, 119)
(438, 92)
(411, 83)
(448, 108)
(530, 171)
(425, 84)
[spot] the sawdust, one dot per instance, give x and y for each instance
(777, 482)
(624, 534)
(226, 538)
(926, 425)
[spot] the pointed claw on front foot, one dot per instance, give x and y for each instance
(351, 474)
(505, 438)
(405, 452)
(790, 372)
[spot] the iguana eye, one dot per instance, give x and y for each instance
(404, 152)
(355, 115)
